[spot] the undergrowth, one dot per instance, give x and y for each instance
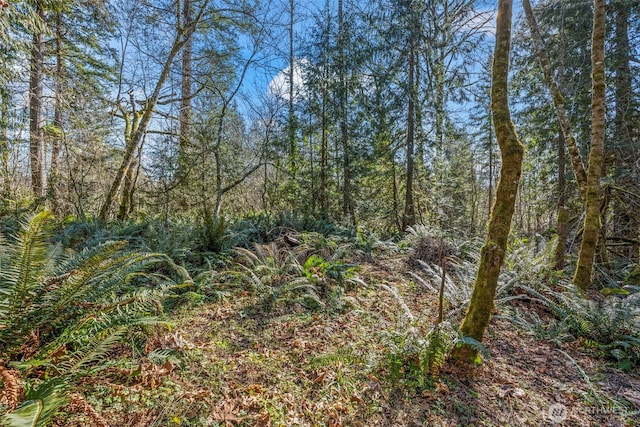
(62, 313)
(293, 275)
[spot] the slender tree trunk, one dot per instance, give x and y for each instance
(419, 134)
(562, 227)
(394, 190)
(593, 196)
(4, 143)
(36, 136)
(348, 208)
(625, 159)
(323, 189)
(292, 125)
(126, 201)
(324, 148)
(185, 97)
(409, 216)
(491, 168)
(558, 101)
(481, 305)
(57, 117)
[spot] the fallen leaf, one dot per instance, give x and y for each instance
(226, 413)
(263, 420)
(320, 377)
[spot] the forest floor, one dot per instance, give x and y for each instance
(231, 363)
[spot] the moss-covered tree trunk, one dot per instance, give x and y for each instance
(512, 152)
(593, 196)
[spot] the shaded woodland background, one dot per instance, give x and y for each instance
(141, 110)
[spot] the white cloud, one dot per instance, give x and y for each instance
(483, 21)
(279, 85)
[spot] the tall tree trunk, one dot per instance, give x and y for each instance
(36, 136)
(126, 201)
(562, 226)
(491, 169)
(323, 196)
(409, 216)
(348, 208)
(292, 125)
(478, 314)
(394, 191)
(4, 143)
(58, 133)
(593, 196)
(625, 159)
(558, 101)
(324, 149)
(185, 97)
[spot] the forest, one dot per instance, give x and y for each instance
(329, 213)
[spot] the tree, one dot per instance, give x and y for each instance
(625, 224)
(593, 191)
(409, 216)
(185, 115)
(492, 255)
(348, 208)
(558, 100)
(36, 93)
(139, 126)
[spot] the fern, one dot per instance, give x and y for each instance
(65, 312)
(276, 273)
(475, 344)
(440, 340)
(39, 407)
(612, 322)
(458, 284)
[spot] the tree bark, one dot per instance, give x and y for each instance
(348, 209)
(57, 117)
(36, 135)
(562, 223)
(4, 144)
(292, 125)
(593, 196)
(324, 148)
(512, 151)
(623, 122)
(185, 97)
(409, 216)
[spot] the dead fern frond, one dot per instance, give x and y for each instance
(12, 392)
(78, 404)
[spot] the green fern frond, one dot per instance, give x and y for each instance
(40, 405)
(475, 344)
(92, 352)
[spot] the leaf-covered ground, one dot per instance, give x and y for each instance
(231, 363)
